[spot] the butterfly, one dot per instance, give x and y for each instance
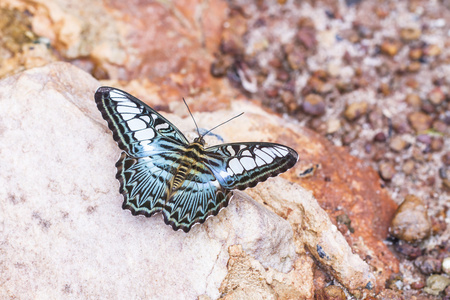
(159, 170)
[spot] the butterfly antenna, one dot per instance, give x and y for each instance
(223, 123)
(192, 117)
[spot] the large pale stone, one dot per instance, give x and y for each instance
(63, 232)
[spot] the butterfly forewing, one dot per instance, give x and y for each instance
(160, 171)
(138, 129)
(242, 165)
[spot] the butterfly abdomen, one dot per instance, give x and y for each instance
(187, 165)
(180, 176)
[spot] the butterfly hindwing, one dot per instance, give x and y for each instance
(137, 128)
(143, 183)
(198, 197)
(242, 165)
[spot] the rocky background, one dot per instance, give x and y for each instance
(359, 88)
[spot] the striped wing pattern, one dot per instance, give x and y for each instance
(139, 130)
(160, 171)
(243, 165)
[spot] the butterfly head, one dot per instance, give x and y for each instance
(199, 140)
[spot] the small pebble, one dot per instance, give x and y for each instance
(446, 265)
(395, 282)
(356, 110)
(414, 67)
(437, 144)
(417, 285)
(427, 107)
(385, 89)
(436, 284)
(415, 54)
(333, 292)
(386, 170)
(333, 125)
(411, 222)
(428, 265)
(424, 139)
(349, 137)
(282, 75)
(408, 166)
(380, 137)
(446, 183)
(289, 101)
(314, 105)
(436, 96)
(413, 100)
(397, 143)
(419, 121)
(389, 48)
(408, 250)
(432, 50)
(443, 172)
(439, 126)
(410, 34)
(446, 159)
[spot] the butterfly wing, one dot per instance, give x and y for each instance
(199, 196)
(143, 182)
(137, 128)
(242, 165)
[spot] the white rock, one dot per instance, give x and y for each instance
(63, 233)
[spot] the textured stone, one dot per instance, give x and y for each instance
(314, 105)
(436, 284)
(63, 231)
(314, 231)
(411, 222)
(419, 121)
(356, 110)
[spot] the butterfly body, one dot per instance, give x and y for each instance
(160, 171)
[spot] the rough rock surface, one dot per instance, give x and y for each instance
(62, 230)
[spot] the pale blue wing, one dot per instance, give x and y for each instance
(242, 165)
(145, 186)
(137, 128)
(143, 183)
(198, 197)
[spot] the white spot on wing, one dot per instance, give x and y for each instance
(117, 96)
(259, 161)
(136, 124)
(246, 153)
(127, 117)
(162, 126)
(264, 156)
(269, 151)
(236, 166)
(231, 150)
(230, 172)
(126, 109)
(282, 150)
(146, 134)
(145, 119)
(248, 163)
